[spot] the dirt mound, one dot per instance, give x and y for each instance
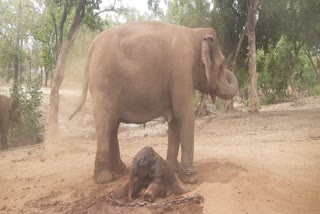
(103, 203)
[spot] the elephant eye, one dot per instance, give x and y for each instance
(142, 161)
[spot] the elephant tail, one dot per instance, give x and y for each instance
(84, 90)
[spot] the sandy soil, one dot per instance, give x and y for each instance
(247, 163)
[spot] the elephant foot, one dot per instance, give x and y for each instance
(103, 173)
(119, 167)
(104, 177)
(187, 173)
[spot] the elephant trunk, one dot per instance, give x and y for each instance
(227, 85)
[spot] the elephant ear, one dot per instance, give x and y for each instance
(207, 59)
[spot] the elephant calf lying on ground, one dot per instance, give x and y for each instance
(9, 110)
(150, 172)
(144, 70)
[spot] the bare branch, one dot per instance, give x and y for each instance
(239, 46)
(66, 10)
(55, 31)
(111, 8)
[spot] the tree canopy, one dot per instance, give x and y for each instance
(287, 38)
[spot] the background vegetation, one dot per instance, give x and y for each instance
(33, 33)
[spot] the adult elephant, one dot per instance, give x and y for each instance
(140, 71)
(9, 110)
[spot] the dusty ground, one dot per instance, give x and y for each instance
(247, 163)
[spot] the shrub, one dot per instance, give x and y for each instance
(32, 128)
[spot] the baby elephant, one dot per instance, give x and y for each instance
(9, 111)
(150, 172)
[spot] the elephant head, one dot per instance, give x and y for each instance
(220, 81)
(15, 111)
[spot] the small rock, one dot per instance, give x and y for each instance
(29, 153)
(62, 180)
(3, 207)
(5, 198)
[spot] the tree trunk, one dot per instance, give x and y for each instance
(57, 80)
(294, 93)
(51, 77)
(8, 72)
(41, 76)
(252, 85)
(46, 76)
(17, 66)
(313, 65)
(16, 71)
(53, 125)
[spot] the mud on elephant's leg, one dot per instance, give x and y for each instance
(173, 145)
(187, 173)
(117, 165)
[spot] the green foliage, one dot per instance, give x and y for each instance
(229, 18)
(191, 13)
(277, 65)
(32, 128)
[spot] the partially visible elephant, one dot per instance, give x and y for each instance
(9, 111)
(143, 70)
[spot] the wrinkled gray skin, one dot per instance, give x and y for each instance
(140, 71)
(9, 111)
(150, 172)
(149, 168)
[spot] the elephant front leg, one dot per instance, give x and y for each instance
(173, 145)
(187, 173)
(152, 192)
(184, 115)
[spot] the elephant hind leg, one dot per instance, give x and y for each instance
(173, 145)
(105, 121)
(116, 163)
